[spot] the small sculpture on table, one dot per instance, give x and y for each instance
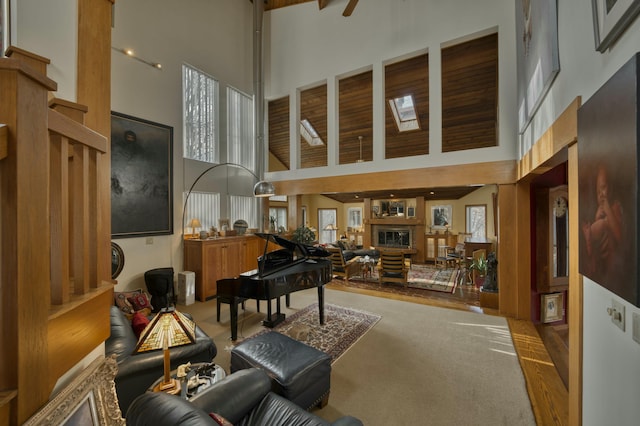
(491, 281)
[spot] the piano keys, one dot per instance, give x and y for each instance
(292, 268)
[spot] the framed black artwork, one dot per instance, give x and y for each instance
(608, 184)
(141, 177)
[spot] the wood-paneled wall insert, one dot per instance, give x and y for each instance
(355, 105)
(313, 112)
(407, 78)
(470, 94)
(279, 133)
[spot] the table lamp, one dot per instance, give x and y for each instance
(195, 223)
(169, 328)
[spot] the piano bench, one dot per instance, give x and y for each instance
(298, 372)
(229, 301)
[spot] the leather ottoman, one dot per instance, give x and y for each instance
(298, 372)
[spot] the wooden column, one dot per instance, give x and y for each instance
(512, 253)
(575, 296)
(24, 176)
(94, 91)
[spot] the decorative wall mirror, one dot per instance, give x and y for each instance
(117, 260)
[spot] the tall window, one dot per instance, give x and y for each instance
(476, 221)
(327, 224)
(204, 206)
(241, 146)
(241, 150)
(280, 215)
(242, 207)
(200, 106)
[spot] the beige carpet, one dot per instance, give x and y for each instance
(419, 365)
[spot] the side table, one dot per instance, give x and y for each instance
(367, 265)
(200, 376)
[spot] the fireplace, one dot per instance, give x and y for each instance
(393, 237)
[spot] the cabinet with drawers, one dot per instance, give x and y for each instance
(217, 258)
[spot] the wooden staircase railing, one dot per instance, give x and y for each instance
(54, 304)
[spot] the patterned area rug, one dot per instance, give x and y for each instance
(425, 277)
(433, 278)
(342, 328)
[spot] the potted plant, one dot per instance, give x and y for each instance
(303, 235)
(479, 266)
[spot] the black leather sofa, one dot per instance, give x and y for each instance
(137, 372)
(244, 398)
(349, 253)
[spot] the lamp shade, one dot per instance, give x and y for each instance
(331, 227)
(264, 189)
(168, 326)
(195, 223)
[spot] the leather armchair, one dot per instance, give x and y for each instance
(137, 372)
(243, 398)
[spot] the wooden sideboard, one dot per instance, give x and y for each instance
(216, 258)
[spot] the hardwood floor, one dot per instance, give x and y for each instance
(546, 386)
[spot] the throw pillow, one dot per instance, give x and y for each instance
(139, 301)
(220, 420)
(138, 322)
(122, 302)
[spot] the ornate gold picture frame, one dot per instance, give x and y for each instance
(89, 400)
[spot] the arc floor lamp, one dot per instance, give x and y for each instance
(262, 188)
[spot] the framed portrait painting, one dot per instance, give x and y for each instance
(141, 177)
(441, 217)
(608, 184)
(610, 19)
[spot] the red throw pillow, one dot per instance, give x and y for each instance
(220, 420)
(139, 322)
(139, 301)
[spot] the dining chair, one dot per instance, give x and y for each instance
(392, 267)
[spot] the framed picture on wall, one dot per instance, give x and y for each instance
(141, 177)
(411, 212)
(441, 217)
(551, 307)
(537, 54)
(354, 217)
(607, 183)
(610, 19)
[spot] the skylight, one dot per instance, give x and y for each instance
(404, 113)
(309, 133)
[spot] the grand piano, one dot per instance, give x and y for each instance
(292, 268)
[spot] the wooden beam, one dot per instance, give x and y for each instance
(349, 9)
(322, 4)
(495, 172)
(575, 296)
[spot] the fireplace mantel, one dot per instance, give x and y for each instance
(396, 220)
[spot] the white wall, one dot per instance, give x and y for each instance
(212, 35)
(611, 363)
(49, 29)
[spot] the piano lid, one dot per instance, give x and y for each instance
(298, 250)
